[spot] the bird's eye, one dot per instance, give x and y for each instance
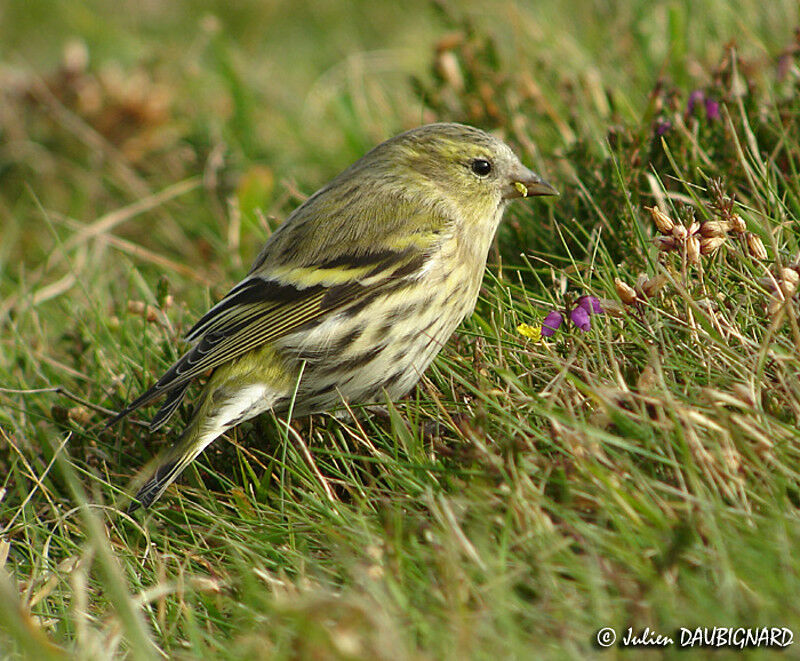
(481, 167)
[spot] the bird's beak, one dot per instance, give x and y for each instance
(527, 184)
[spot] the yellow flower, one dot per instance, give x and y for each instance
(533, 333)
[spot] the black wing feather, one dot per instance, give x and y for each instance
(258, 311)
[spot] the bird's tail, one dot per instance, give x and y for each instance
(158, 483)
(191, 443)
(213, 417)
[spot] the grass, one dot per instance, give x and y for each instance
(645, 473)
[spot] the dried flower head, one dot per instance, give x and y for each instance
(715, 228)
(737, 224)
(651, 286)
(783, 284)
(663, 222)
(709, 245)
(788, 281)
(646, 287)
(775, 303)
(720, 200)
(755, 246)
(665, 243)
(150, 313)
(626, 293)
(693, 250)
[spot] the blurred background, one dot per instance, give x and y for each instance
(104, 103)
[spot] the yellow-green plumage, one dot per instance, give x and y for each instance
(360, 287)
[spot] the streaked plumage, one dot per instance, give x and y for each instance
(360, 287)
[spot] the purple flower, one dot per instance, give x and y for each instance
(551, 323)
(580, 315)
(695, 98)
(698, 98)
(712, 109)
(662, 126)
(591, 303)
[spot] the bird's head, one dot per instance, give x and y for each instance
(466, 164)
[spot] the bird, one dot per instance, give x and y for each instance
(352, 296)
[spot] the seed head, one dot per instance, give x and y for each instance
(737, 224)
(710, 245)
(774, 305)
(788, 281)
(714, 228)
(626, 293)
(663, 222)
(665, 243)
(693, 250)
(651, 286)
(755, 246)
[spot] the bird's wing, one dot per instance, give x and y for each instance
(259, 310)
(278, 298)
